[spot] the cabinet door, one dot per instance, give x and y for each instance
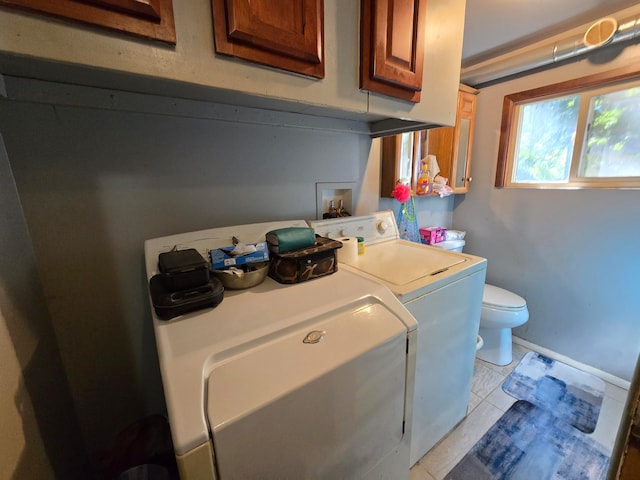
(392, 47)
(286, 34)
(462, 143)
(146, 18)
(452, 145)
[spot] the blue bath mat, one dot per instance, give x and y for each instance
(529, 443)
(572, 395)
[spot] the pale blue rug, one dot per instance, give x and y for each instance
(572, 395)
(530, 443)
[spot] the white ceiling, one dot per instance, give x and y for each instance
(496, 26)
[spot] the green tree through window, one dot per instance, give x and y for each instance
(613, 137)
(581, 133)
(547, 135)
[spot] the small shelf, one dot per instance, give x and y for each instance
(325, 192)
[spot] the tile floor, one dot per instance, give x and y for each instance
(488, 403)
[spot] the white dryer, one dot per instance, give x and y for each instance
(247, 397)
(443, 291)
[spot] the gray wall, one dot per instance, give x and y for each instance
(431, 211)
(96, 182)
(39, 437)
(573, 254)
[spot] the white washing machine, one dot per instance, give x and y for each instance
(248, 398)
(443, 291)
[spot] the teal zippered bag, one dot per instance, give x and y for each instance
(291, 238)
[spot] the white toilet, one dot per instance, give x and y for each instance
(502, 310)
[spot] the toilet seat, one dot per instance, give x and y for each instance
(497, 298)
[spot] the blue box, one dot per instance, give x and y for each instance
(221, 259)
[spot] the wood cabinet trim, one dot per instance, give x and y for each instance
(147, 9)
(245, 27)
(392, 64)
(388, 165)
(444, 142)
(241, 34)
(466, 109)
(382, 69)
(152, 19)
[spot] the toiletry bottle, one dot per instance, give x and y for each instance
(424, 182)
(333, 211)
(342, 212)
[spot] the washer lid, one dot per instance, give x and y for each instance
(400, 262)
(499, 297)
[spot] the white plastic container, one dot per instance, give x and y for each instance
(452, 245)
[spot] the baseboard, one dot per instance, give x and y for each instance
(607, 377)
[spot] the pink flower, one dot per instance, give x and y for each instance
(401, 192)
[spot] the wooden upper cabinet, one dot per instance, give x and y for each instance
(145, 18)
(392, 47)
(452, 146)
(286, 34)
(402, 154)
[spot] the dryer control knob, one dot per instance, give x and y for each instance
(344, 232)
(382, 227)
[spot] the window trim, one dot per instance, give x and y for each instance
(510, 102)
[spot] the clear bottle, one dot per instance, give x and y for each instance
(342, 212)
(333, 211)
(424, 181)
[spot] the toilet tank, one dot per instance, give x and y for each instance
(453, 245)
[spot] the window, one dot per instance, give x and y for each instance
(578, 134)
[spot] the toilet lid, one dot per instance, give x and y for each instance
(500, 298)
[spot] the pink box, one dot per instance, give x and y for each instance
(432, 235)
